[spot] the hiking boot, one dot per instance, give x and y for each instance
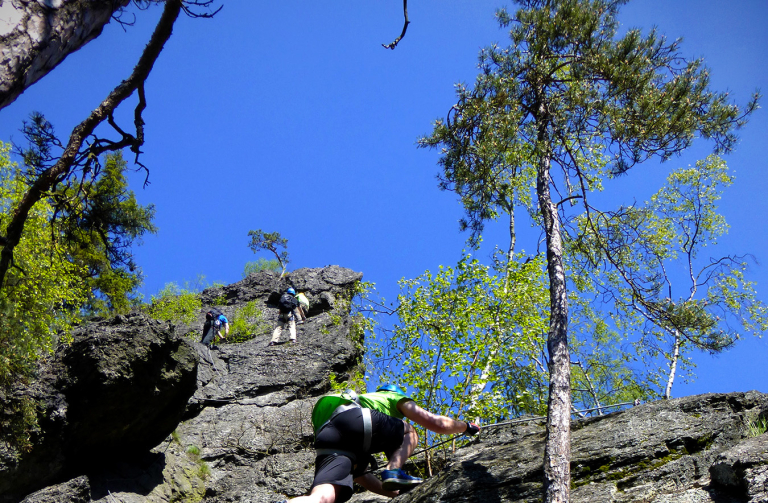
(392, 480)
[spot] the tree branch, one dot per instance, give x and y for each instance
(405, 27)
(53, 175)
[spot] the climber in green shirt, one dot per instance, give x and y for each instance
(349, 428)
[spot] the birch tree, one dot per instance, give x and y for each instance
(653, 264)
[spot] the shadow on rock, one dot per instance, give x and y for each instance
(139, 475)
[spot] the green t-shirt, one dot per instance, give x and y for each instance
(382, 401)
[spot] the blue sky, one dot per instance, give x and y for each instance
(290, 117)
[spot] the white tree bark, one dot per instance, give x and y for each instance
(557, 449)
(673, 366)
(36, 35)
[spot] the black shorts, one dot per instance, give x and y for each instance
(209, 332)
(345, 432)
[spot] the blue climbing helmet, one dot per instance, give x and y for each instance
(291, 291)
(391, 387)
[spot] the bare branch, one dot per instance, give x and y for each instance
(206, 4)
(405, 27)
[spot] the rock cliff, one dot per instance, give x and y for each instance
(241, 432)
(235, 427)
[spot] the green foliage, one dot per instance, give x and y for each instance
(353, 379)
(43, 291)
(203, 470)
(604, 366)
(221, 300)
(261, 264)
(362, 307)
(175, 304)
(463, 330)
(757, 426)
(95, 216)
(270, 241)
(246, 323)
(18, 420)
(649, 249)
(101, 223)
(362, 325)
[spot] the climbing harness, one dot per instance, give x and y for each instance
(354, 403)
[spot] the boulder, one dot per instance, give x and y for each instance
(77, 490)
(119, 389)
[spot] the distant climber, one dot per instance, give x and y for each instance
(286, 305)
(349, 428)
(214, 322)
(302, 309)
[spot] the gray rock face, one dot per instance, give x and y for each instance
(249, 417)
(119, 389)
(321, 286)
(743, 469)
(245, 432)
(77, 490)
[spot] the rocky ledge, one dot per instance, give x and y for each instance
(117, 391)
(688, 450)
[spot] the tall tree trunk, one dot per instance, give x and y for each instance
(557, 451)
(36, 36)
(477, 389)
(512, 242)
(673, 366)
